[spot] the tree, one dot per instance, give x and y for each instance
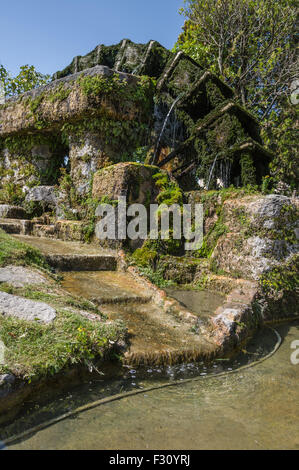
(251, 45)
(280, 134)
(248, 43)
(27, 79)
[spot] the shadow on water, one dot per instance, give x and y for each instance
(99, 387)
(201, 302)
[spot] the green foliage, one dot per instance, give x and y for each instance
(27, 79)
(89, 206)
(35, 351)
(139, 155)
(146, 258)
(170, 192)
(282, 278)
(119, 89)
(267, 184)
(123, 136)
(247, 43)
(101, 85)
(61, 93)
(11, 193)
(156, 277)
(281, 135)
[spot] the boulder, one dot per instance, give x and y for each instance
(131, 180)
(43, 194)
(260, 233)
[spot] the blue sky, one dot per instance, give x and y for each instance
(48, 34)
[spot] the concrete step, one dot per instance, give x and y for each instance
(73, 256)
(41, 230)
(82, 262)
(154, 335)
(111, 288)
(15, 226)
(10, 227)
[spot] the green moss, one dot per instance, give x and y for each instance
(282, 278)
(21, 146)
(210, 240)
(170, 192)
(214, 94)
(119, 89)
(14, 252)
(35, 103)
(61, 93)
(11, 193)
(145, 257)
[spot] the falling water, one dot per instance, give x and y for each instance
(225, 171)
(165, 123)
(211, 172)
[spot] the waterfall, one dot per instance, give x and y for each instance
(228, 171)
(165, 123)
(211, 171)
(225, 171)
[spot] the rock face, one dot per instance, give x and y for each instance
(24, 309)
(89, 119)
(40, 199)
(236, 318)
(58, 102)
(133, 181)
(87, 155)
(260, 234)
(45, 194)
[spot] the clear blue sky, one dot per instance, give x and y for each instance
(49, 33)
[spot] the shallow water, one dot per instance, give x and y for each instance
(255, 408)
(50, 246)
(154, 335)
(203, 303)
(103, 286)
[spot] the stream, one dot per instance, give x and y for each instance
(245, 408)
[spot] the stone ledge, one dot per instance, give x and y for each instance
(12, 212)
(82, 262)
(15, 115)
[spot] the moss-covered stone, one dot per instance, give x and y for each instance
(278, 291)
(134, 181)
